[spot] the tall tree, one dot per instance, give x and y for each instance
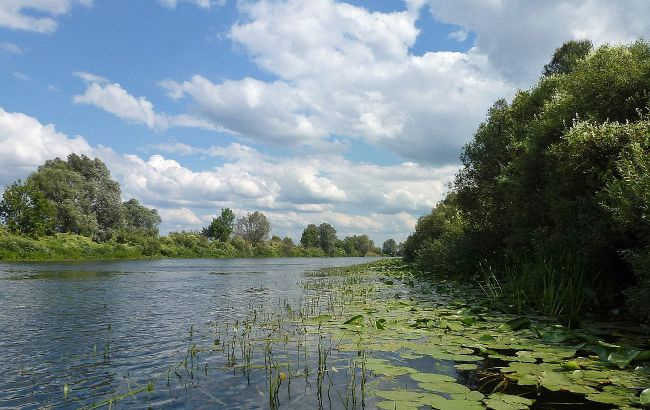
(390, 247)
(567, 57)
(327, 238)
(87, 200)
(222, 226)
(26, 211)
(139, 217)
(254, 228)
(309, 238)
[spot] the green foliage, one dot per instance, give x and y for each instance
(254, 228)
(327, 238)
(567, 57)
(309, 238)
(25, 210)
(358, 245)
(86, 199)
(139, 217)
(221, 227)
(560, 173)
(389, 247)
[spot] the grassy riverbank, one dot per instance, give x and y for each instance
(67, 246)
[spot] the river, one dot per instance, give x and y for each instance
(75, 334)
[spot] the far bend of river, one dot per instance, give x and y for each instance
(104, 328)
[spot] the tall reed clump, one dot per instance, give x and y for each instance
(553, 286)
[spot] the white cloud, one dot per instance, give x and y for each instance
(204, 4)
(458, 35)
(112, 98)
(343, 70)
(11, 48)
(181, 217)
(25, 143)
(21, 76)
(293, 190)
(35, 15)
(519, 37)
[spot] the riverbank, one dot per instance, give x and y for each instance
(71, 247)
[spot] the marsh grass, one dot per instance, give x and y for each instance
(552, 286)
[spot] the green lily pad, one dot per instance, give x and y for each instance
(431, 377)
(608, 398)
(501, 401)
(623, 357)
(466, 366)
(444, 387)
(516, 324)
(645, 397)
(398, 405)
(354, 320)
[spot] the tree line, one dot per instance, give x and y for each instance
(550, 209)
(77, 196)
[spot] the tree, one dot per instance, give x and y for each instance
(327, 238)
(139, 217)
(389, 248)
(566, 57)
(358, 245)
(86, 199)
(221, 227)
(25, 210)
(254, 228)
(309, 238)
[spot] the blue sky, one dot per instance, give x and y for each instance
(352, 113)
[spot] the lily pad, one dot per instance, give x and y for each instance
(431, 377)
(645, 397)
(501, 401)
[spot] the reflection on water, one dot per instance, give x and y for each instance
(73, 334)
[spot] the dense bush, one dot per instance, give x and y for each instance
(559, 174)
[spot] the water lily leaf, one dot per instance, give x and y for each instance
(608, 398)
(466, 366)
(471, 396)
(516, 324)
(645, 397)
(623, 357)
(384, 368)
(398, 405)
(444, 387)
(322, 318)
(431, 377)
(501, 401)
(486, 338)
(644, 356)
(354, 320)
(400, 395)
(570, 365)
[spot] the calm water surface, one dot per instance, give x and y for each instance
(107, 328)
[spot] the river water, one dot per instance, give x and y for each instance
(79, 334)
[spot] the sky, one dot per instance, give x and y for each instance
(352, 113)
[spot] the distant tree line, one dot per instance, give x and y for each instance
(77, 196)
(551, 207)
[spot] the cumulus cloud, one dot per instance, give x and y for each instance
(343, 70)
(35, 15)
(112, 98)
(518, 37)
(25, 143)
(292, 190)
